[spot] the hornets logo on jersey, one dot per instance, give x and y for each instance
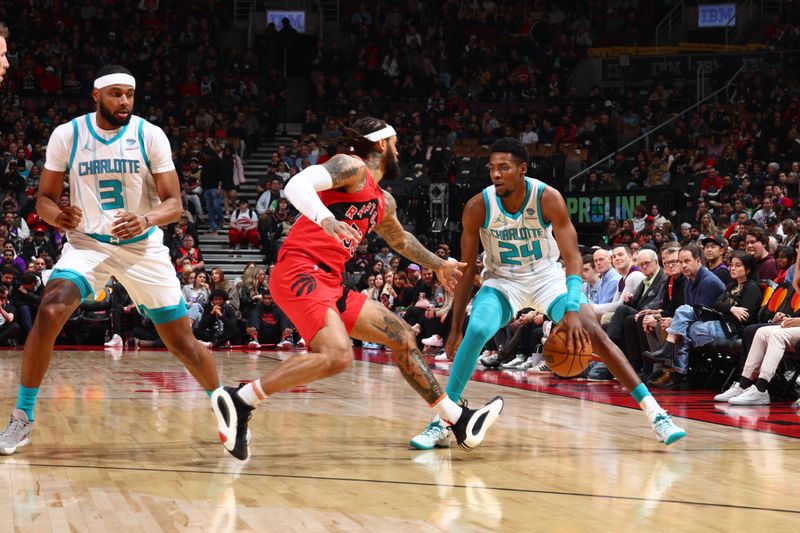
(518, 244)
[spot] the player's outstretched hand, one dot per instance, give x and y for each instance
(449, 274)
(69, 218)
(340, 230)
(128, 225)
(577, 337)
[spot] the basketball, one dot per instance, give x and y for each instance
(560, 361)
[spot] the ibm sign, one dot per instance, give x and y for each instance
(716, 15)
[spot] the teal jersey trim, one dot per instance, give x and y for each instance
(488, 208)
(140, 136)
(110, 239)
(75, 277)
(162, 315)
(524, 203)
(539, 206)
(113, 139)
(74, 144)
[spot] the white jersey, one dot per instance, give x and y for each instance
(109, 171)
(519, 244)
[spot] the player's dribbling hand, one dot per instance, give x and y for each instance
(69, 217)
(128, 225)
(449, 274)
(576, 335)
(340, 230)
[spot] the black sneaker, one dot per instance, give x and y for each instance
(232, 417)
(472, 425)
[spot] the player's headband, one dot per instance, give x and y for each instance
(381, 134)
(119, 78)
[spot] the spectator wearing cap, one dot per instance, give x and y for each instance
(714, 249)
(686, 234)
(415, 281)
(757, 242)
(33, 248)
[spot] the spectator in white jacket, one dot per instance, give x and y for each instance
(631, 278)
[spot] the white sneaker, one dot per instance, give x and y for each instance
(489, 359)
(519, 359)
(751, 396)
(527, 364)
(441, 357)
(539, 368)
(301, 343)
(254, 344)
(433, 340)
(285, 344)
(114, 342)
(733, 392)
(17, 433)
(436, 435)
(209, 345)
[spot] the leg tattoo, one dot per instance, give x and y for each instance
(410, 361)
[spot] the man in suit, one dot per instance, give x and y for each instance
(623, 328)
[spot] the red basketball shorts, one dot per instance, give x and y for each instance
(305, 290)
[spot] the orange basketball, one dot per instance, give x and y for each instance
(560, 361)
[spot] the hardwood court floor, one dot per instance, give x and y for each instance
(129, 444)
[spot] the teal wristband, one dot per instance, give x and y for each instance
(574, 284)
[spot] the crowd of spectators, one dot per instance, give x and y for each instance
(445, 74)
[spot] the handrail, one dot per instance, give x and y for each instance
(656, 128)
(667, 22)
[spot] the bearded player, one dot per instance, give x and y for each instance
(122, 186)
(340, 201)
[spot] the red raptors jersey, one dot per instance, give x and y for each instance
(362, 209)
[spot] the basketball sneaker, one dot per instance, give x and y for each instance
(285, 344)
(301, 343)
(666, 429)
(254, 344)
(436, 435)
(471, 427)
(232, 417)
(17, 433)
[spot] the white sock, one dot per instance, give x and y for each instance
(252, 393)
(447, 409)
(650, 407)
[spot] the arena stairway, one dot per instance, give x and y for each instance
(215, 249)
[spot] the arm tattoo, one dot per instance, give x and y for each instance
(402, 241)
(410, 363)
(342, 168)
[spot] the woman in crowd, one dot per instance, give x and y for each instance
(784, 259)
(218, 281)
(254, 285)
(196, 296)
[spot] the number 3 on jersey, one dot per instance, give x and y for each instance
(110, 194)
(512, 251)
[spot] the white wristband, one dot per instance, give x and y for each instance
(302, 189)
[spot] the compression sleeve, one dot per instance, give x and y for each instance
(302, 192)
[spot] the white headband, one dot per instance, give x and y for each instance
(119, 78)
(381, 134)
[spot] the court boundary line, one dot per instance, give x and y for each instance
(415, 483)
